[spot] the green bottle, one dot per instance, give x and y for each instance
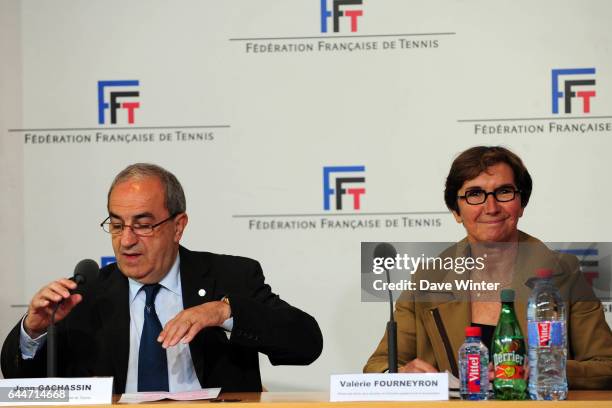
(509, 353)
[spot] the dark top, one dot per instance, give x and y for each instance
(487, 335)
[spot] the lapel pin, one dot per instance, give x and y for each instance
(201, 292)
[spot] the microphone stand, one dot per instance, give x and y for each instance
(52, 345)
(391, 332)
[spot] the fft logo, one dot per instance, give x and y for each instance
(589, 262)
(332, 173)
(563, 86)
(117, 91)
(107, 260)
(338, 11)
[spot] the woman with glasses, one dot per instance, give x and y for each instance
(487, 190)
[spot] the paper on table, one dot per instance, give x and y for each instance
(453, 385)
(204, 393)
(453, 382)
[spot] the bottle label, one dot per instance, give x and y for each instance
(509, 364)
(509, 372)
(510, 358)
(545, 333)
(473, 372)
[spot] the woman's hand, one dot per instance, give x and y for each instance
(417, 366)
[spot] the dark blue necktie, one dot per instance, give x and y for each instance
(152, 360)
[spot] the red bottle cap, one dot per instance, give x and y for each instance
(544, 273)
(473, 332)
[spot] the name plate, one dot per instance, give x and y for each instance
(56, 391)
(389, 387)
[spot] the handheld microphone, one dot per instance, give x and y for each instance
(85, 271)
(386, 250)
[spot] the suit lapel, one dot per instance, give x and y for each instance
(456, 317)
(115, 317)
(195, 278)
(448, 312)
(444, 324)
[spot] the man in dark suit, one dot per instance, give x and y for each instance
(215, 310)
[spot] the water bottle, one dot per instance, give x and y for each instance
(547, 339)
(473, 366)
(509, 352)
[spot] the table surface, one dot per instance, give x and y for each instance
(588, 399)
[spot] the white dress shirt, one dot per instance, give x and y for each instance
(168, 303)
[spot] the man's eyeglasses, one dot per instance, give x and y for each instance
(478, 196)
(142, 230)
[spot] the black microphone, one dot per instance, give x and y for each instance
(84, 272)
(386, 250)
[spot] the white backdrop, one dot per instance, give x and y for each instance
(270, 100)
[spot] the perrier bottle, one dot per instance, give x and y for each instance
(508, 353)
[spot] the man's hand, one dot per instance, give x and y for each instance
(417, 366)
(42, 304)
(185, 325)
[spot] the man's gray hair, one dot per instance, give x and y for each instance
(175, 197)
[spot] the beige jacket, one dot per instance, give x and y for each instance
(431, 324)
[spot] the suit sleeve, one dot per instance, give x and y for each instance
(14, 366)
(589, 364)
(264, 322)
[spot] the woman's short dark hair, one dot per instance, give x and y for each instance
(470, 163)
